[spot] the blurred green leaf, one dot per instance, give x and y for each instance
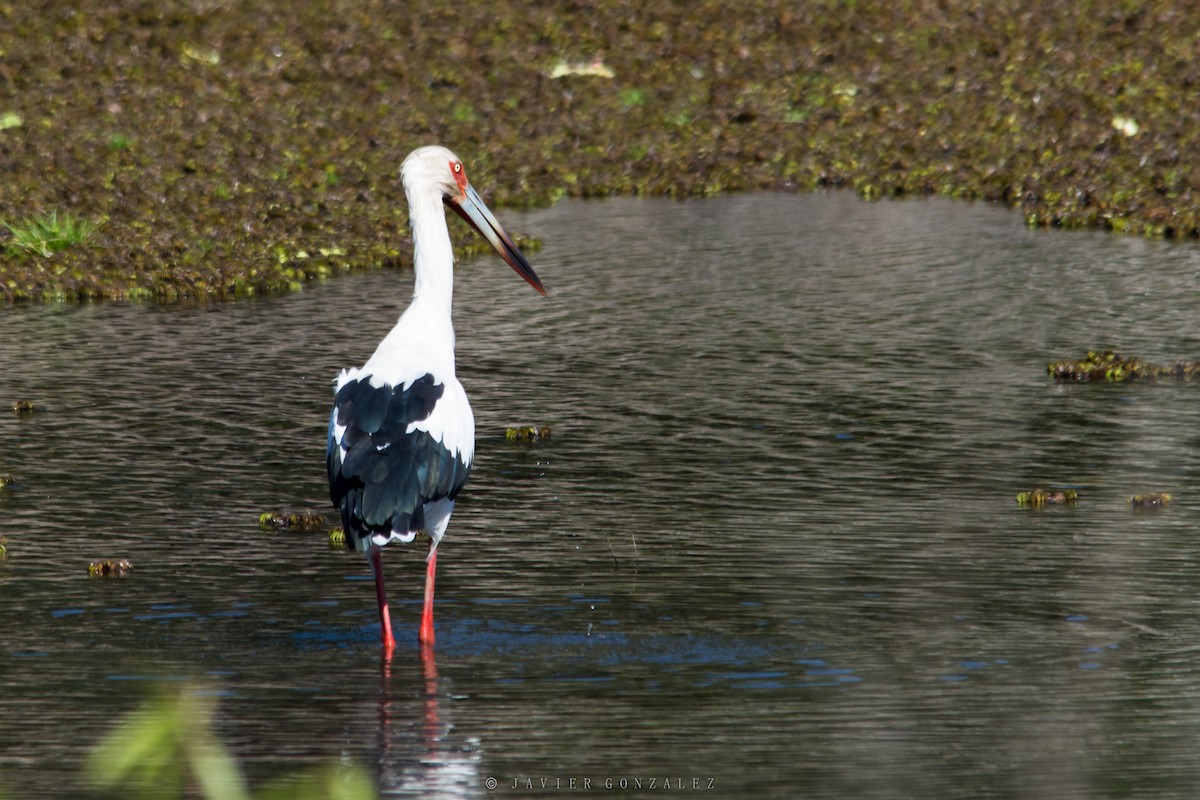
(216, 772)
(141, 752)
(330, 783)
(168, 745)
(168, 739)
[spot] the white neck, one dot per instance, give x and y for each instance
(433, 255)
(423, 339)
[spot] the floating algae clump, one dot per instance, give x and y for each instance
(304, 521)
(24, 407)
(1040, 498)
(1108, 366)
(527, 433)
(1150, 500)
(111, 569)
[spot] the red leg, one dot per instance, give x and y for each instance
(385, 618)
(426, 634)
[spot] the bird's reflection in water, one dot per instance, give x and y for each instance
(419, 753)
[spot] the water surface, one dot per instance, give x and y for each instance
(772, 544)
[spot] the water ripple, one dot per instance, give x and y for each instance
(772, 536)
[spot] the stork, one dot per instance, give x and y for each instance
(401, 434)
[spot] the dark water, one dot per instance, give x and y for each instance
(772, 545)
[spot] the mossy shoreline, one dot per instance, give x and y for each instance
(233, 148)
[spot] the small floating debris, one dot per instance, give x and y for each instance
(24, 407)
(107, 568)
(527, 433)
(7, 480)
(337, 538)
(303, 521)
(201, 55)
(1040, 498)
(3, 549)
(1109, 366)
(596, 68)
(1126, 125)
(1150, 500)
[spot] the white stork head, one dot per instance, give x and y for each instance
(434, 169)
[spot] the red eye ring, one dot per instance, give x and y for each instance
(460, 175)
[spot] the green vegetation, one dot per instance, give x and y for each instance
(526, 433)
(1150, 500)
(1040, 498)
(303, 521)
(48, 233)
(167, 749)
(110, 568)
(1108, 366)
(259, 145)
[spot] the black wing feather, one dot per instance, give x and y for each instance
(387, 474)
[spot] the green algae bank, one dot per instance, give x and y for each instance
(223, 149)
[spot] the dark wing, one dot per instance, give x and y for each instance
(380, 475)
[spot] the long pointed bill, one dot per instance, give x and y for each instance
(472, 208)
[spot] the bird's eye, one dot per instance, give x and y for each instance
(460, 176)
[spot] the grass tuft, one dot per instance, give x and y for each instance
(48, 233)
